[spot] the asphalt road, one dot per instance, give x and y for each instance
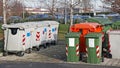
(48, 65)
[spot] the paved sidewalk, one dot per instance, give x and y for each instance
(53, 54)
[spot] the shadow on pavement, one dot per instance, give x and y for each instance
(55, 51)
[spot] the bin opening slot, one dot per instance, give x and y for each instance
(13, 31)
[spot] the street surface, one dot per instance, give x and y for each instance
(52, 57)
(49, 65)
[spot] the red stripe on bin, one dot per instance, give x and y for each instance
(23, 35)
(97, 51)
(23, 40)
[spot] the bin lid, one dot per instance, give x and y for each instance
(114, 32)
(52, 22)
(42, 24)
(116, 23)
(18, 25)
(106, 28)
(94, 35)
(72, 35)
(102, 21)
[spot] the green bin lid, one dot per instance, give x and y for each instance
(106, 28)
(116, 23)
(102, 21)
(94, 35)
(72, 35)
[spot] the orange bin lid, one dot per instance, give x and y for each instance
(89, 25)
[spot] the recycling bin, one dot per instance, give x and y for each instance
(72, 47)
(94, 47)
(16, 38)
(40, 35)
(114, 39)
(52, 32)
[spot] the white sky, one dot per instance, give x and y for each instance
(35, 3)
(97, 4)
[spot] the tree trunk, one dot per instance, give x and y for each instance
(65, 15)
(71, 16)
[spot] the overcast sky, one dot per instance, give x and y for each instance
(97, 4)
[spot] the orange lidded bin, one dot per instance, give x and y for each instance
(85, 28)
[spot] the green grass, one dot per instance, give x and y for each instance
(63, 29)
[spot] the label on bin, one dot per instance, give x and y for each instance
(45, 30)
(28, 34)
(91, 42)
(71, 42)
(53, 29)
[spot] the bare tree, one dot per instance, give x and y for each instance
(16, 9)
(1, 8)
(86, 4)
(113, 5)
(71, 4)
(51, 5)
(11, 7)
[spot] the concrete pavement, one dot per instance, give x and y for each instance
(49, 65)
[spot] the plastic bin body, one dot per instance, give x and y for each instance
(37, 36)
(72, 47)
(39, 33)
(16, 39)
(54, 27)
(94, 47)
(15, 45)
(85, 28)
(49, 34)
(52, 32)
(114, 39)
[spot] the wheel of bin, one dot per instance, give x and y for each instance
(45, 45)
(5, 53)
(29, 50)
(38, 48)
(109, 55)
(54, 43)
(48, 44)
(20, 54)
(102, 58)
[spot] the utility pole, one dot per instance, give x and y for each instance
(65, 12)
(71, 13)
(95, 8)
(4, 12)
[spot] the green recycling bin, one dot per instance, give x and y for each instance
(72, 47)
(94, 47)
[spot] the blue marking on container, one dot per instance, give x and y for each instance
(28, 34)
(45, 29)
(53, 29)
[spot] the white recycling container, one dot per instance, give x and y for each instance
(114, 39)
(53, 31)
(16, 38)
(47, 30)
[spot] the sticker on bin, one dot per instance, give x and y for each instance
(45, 30)
(71, 42)
(91, 42)
(53, 29)
(28, 34)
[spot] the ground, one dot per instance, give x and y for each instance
(53, 54)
